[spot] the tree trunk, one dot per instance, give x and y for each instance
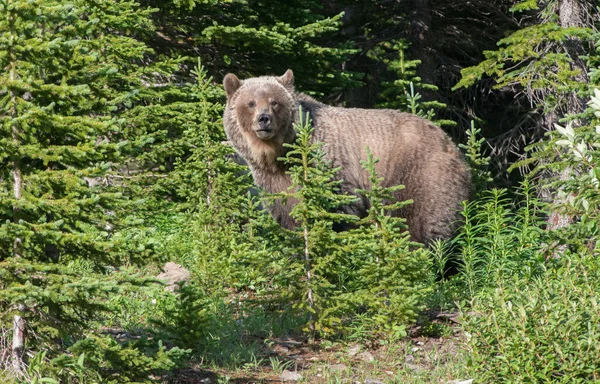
(15, 132)
(421, 45)
(356, 97)
(309, 292)
(571, 14)
(17, 193)
(18, 343)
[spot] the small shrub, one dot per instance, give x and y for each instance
(358, 282)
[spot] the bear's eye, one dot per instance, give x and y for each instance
(251, 104)
(274, 103)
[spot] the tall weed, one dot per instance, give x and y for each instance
(499, 238)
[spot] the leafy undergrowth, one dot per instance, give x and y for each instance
(236, 341)
(228, 337)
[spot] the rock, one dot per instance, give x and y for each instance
(409, 359)
(290, 376)
(366, 356)
(337, 367)
(353, 351)
(173, 275)
(281, 350)
(373, 381)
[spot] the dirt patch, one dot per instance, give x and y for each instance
(414, 360)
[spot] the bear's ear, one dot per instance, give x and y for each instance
(231, 84)
(287, 80)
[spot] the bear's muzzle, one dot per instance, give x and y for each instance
(264, 121)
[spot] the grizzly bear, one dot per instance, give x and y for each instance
(259, 118)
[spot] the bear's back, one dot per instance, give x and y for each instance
(411, 151)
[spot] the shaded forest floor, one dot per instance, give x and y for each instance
(418, 359)
(431, 353)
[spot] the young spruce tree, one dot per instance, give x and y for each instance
(316, 191)
(400, 92)
(369, 275)
(390, 273)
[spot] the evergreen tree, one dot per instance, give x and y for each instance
(210, 189)
(72, 68)
(390, 274)
(316, 191)
(253, 38)
(176, 156)
(545, 58)
(400, 93)
(479, 164)
(369, 274)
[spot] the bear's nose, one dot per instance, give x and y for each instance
(264, 120)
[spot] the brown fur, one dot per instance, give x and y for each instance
(411, 151)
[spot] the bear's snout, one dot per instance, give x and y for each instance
(264, 127)
(264, 121)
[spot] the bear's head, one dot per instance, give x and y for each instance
(259, 117)
(263, 106)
